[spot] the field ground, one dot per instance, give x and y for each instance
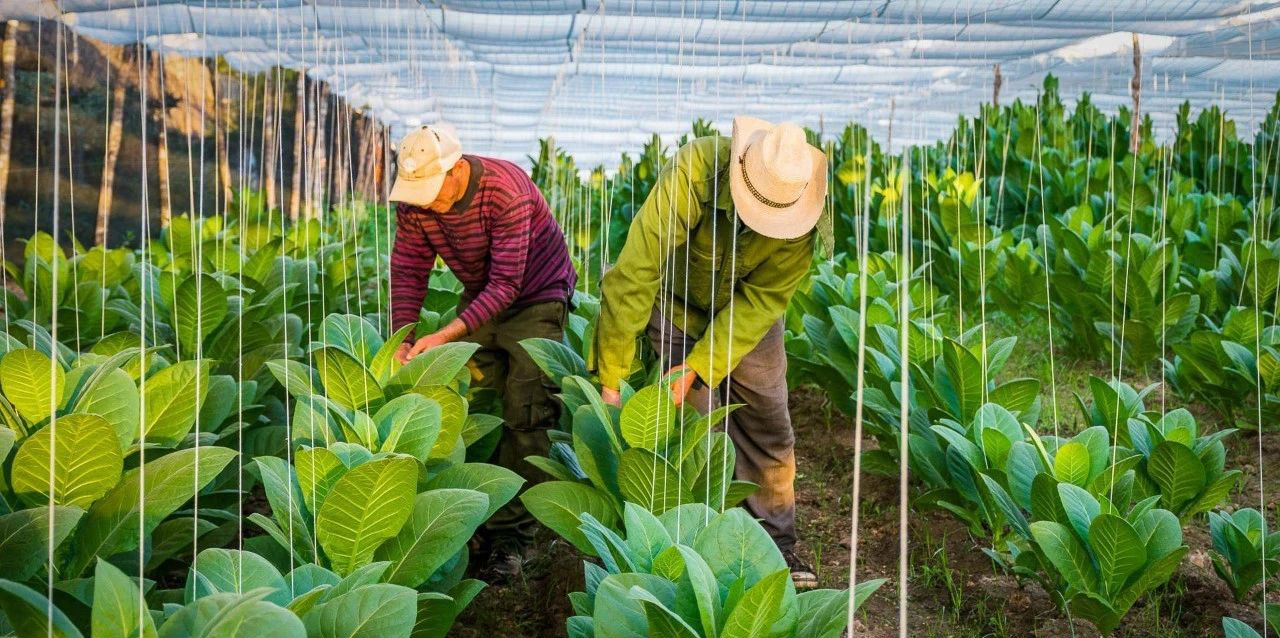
(954, 591)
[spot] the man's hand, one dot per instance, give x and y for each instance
(611, 397)
(452, 332)
(424, 344)
(682, 380)
(402, 353)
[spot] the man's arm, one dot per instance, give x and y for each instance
(628, 290)
(759, 300)
(412, 259)
(508, 252)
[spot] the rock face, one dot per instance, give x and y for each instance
(185, 90)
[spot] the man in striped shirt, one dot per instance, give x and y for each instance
(491, 226)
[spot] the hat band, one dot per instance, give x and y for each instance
(742, 163)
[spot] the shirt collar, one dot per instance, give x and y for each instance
(473, 182)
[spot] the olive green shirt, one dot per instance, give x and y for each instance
(712, 277)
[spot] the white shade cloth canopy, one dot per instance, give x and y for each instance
(602, 76)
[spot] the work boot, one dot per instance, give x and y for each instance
(802, 575)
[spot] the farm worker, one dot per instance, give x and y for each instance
(730, 224)
(491, 226)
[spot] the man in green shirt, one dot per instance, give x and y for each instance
(711, 261)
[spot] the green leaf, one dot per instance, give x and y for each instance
(112, 523)
(409, 424)
(1214, 494)
(346, 381)
(28, 613)
(1081, 508)
(453, 417)
(736, 546)
(115, 398)
(967, 377)
(384, 363)
(648, 480)
(1177, 471)
(706, 590)
(1066, 554)
(285, 496)
(559, 504)
(115, 606)
(1017, 395)
(373, 611)
(232, 616)
(618, 614)
(1232, 628)
(648, 419)
(759, 608)
(661, 620)
(232, 571)
(24, 538)
(1118, 549)
(353, 334)
(348, 528)
(32, 383)
(823, 613)
(86, 462)
(317, 469)
(497, 483)
(437, 366)
(299, 379)
(441, 524)
(1071, 464)
(199, 306)
(436, 612)
(172, 397)
(555, 359)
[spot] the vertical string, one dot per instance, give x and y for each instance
(59, 56)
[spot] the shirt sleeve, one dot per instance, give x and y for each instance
(759, 300)
(508, 252)
(628, 290)
(412, 259)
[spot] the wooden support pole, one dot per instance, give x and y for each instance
(269, 152)
(1135, 88)
(161, 119)
(320, 181)
(299, 126)
(115, 132)
(8, 57)
(996, 83)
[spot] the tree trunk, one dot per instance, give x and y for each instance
(1135, 88)
(299, 116)
(114, 135)
(8, 54)
(320, 181)
(269, 102)
(161, 119)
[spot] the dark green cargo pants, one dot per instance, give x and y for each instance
(529, 405)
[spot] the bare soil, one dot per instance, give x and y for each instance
(953, 588)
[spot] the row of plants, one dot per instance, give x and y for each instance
(265, 348)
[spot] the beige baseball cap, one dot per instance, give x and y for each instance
(425, 155)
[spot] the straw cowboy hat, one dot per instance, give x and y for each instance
(426, 154)
(777, 179)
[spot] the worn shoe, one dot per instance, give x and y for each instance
(802, 575)
(505, 561)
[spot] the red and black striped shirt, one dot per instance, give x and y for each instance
(499, 240)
